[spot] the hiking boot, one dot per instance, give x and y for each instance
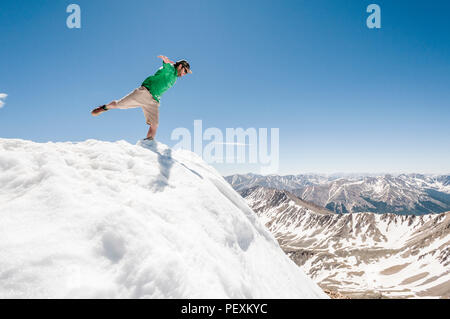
(99, 110)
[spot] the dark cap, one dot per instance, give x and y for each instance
(185, 64)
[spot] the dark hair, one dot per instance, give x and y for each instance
(184, 63)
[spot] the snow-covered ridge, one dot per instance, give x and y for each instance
(115, 220)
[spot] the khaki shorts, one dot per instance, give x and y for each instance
(140, 97)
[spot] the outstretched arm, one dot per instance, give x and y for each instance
(165, 59)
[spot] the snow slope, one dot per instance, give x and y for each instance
(115, 220)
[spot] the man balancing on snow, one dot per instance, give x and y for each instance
(149, 94)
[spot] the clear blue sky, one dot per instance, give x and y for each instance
(346, 98)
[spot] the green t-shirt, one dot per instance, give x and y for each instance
(161, 81)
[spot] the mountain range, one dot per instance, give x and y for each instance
(360, 255)
(408, 194)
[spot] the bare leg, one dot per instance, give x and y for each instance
(152, 131)
(99, 110)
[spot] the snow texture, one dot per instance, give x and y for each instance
(115, 220)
